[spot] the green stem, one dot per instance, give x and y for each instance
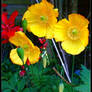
(52, 50)
(56, 3)
(73, 66)
(11, 46)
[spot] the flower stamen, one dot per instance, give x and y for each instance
(74, 32)
(43, 18)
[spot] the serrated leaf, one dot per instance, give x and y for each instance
(85, 78)
(68, 88)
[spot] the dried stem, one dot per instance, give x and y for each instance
(59, 56)
(61, 60)
(65, 61)
(63, 77)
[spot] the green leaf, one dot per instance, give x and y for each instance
(7, 90)
(21, 84)
(33, 90)
(68, 88)
(85, 78)
(20, 52)
(13, 81)
(5, 85)
(26, 90)
(24, 25)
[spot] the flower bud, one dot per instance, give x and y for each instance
(61, 87)
(22, 73)
(28, 63)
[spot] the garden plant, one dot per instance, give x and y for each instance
(45, 50)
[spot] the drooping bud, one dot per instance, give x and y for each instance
(28, 62)
(44, 62)
(61, 87)
(24, 25)
(20, 52)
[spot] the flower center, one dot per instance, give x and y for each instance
(73, 33)
(43, 18)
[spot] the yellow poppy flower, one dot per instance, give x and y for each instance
(41, 19)
(31, 52)
(73, 33)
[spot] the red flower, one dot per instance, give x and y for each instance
(8, 26)
(22, 73)
(44, 45)
(4, 5)
(42, 41)
(23, 67)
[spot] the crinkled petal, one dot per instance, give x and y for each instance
(15, 58)
(73, 47)
(20, 39)
(84, 36)
(36, 24)
(60, 31)
(47, 4)
(49, 33)
(38, 30)
(34, 55)
(56, 12)
(26, 15)
(78, 20)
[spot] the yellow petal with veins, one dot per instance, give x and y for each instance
(73, 47)
(20, 39)
(34, 55)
